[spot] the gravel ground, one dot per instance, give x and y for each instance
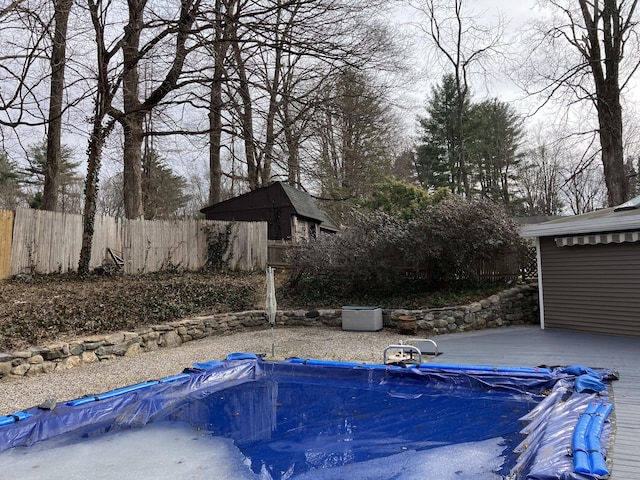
(307, 342)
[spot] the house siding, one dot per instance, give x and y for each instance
(591, 288)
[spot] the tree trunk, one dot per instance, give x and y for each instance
(215, 135)
(220, 48)
(291, 135)
(104, 95)
(132, 119)
(245, 112)
(274, 90)
(91, 193)
(56, 93)
(133, 139)
(462, 157)
(608, 36)
(610, 121)
(293, 158)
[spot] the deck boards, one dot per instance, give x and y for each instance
(529, 346)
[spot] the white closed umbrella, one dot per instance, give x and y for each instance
(271, 305)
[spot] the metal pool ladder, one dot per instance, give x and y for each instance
(405, 350)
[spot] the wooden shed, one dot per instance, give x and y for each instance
(589, 271)
(291, 214)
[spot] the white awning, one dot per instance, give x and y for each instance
(598, 239)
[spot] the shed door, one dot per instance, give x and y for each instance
(592, 288)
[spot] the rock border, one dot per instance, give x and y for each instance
(515, 306)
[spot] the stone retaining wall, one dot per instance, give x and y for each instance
(516, 306)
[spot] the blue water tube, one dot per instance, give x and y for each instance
(485, 368)
(596, 458)
(13, 418)
(587, 454)
(112, 393)
(174, 378)
(324, 363)
(579, 443)
(241, 356)
(207, 365)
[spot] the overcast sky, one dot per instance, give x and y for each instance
(514, 14)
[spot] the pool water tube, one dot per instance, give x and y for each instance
(585, 445)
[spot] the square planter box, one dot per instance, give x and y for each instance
(362, 319)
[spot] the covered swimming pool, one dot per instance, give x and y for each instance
(301, 418)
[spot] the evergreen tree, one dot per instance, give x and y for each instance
(492, 136)
(438, 157)
(493, 144)
(11, 196)
(163, 191)
(69, 181)
(401, 199)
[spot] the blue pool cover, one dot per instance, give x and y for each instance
(291, 417)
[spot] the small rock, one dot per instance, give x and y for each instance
(48, 404)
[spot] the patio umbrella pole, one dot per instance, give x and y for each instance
(273, 344)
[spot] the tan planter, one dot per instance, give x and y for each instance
(407, 325)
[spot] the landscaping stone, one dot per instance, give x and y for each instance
(21, 354)
(89, 356)
(517, 305)
(35, 359)
(20, 369)
(5, 369)
(76, 348)
(170, 339)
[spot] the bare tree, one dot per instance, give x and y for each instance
(224, 12)
(560, 174)
(58, 63)
(583, 185)
(465, 46)
(604, 37)
(274, 56)
(540, 178)
(353, 139)
(134, 109)
(23, 50)
(105, 92)
(6, 10)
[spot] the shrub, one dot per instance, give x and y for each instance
(451, 238)
(401, 199)
(363, 256)
(443, 246)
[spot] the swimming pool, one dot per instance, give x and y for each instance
(305, 418)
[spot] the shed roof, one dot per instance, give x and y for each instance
(306, 206)
(302, 203)
(616, 219)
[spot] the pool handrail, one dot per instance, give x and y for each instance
(404, 349)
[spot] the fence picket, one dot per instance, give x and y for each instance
(47, 242)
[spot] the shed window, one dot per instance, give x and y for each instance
(598, 239)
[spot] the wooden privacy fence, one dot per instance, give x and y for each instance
(48, 242)
(501, 268)
(6, 233)
(278, 252)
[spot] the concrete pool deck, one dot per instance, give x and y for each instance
(513, 346)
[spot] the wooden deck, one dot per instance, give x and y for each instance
(527, 346)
